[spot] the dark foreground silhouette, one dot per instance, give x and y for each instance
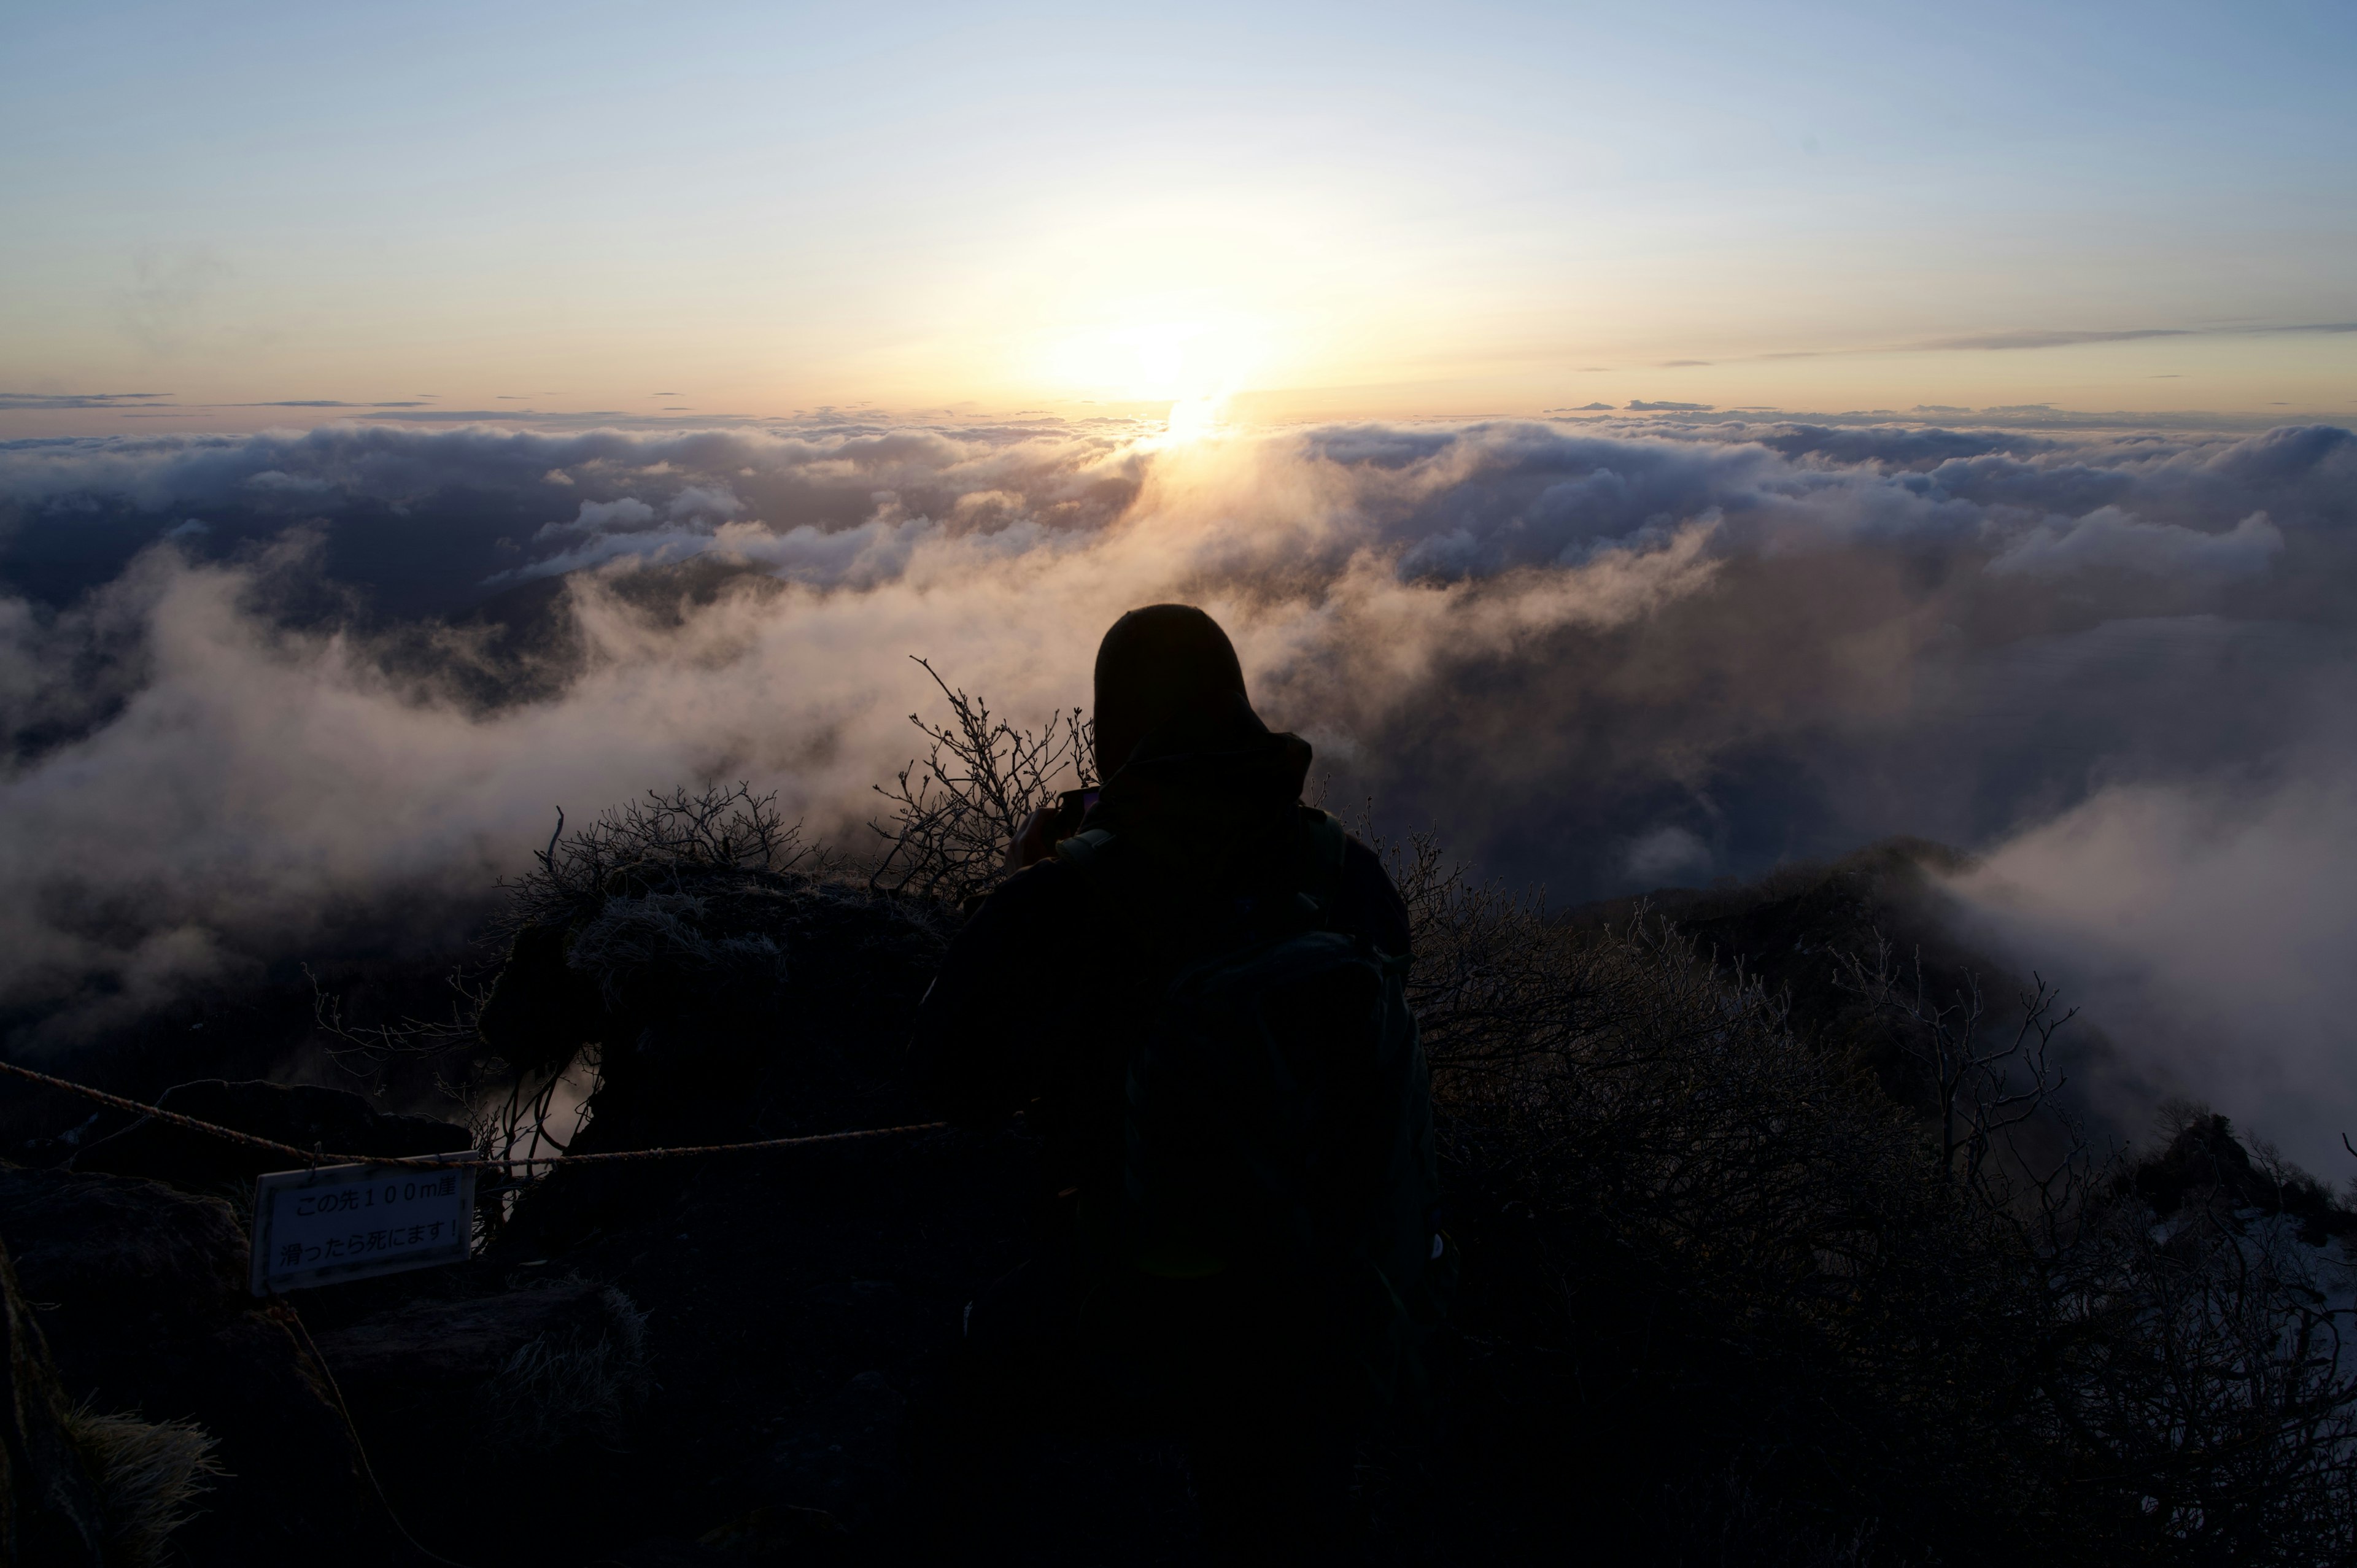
(1724, 1299)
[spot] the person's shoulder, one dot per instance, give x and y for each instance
(1042, 906)
(1370, 901)
(1364, 874)
(1052, 889)
(1358, 860)
(1359, 857)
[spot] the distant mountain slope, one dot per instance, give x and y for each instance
(1796, 929)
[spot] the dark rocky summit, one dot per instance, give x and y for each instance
(141, 1291)
(2205, 1165)
(1720, 1307)
(52, 1508)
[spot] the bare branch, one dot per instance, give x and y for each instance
(953, 815)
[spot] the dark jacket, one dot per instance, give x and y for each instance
(1036, 1001)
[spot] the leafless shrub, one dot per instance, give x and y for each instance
(1987, 1086)
(1489, 984)
(632, 880)
(365, 1050)
(1727, 1524)
(2205, 1354)
(663, 933)
(519, 1121)
(2003, 1134)
(954, 815)
(2206, 1362)
(656, 845)
(1994, 1329)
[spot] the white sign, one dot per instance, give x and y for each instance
(343, 1222)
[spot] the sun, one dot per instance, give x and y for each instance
(1161, 352)
(1193, 419)
(1165, 361)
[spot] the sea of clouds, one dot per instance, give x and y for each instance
(265, 690)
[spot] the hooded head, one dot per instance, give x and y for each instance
(1167, 673)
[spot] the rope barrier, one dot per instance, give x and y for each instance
(431, 1162)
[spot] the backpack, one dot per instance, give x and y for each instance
(1278, 1119)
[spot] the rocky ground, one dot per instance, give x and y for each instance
(725, 1359)
(711, 1359)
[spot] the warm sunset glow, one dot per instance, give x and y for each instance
(1193, 419)
(918, 210)
(1152, 362)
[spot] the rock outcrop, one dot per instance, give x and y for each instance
(141, 1294)
(50, 1500)
(2205, 1164)
(528, 1371)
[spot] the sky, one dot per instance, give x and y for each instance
(1307, 211)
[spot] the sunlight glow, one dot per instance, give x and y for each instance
(1152, 362)
(1193, 419)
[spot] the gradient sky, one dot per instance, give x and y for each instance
(685, 211)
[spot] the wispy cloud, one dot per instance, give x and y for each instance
(9, 400)
(322, 402)
(2018, 339)
(2050, 339)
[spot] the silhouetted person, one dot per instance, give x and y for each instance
(1194, 994)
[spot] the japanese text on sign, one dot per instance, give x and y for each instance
(341, 1222)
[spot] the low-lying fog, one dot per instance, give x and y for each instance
(265, 690)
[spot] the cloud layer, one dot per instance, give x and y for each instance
(257, 686)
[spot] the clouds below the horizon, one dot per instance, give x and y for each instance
(2206, 924)
(1602, 657)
